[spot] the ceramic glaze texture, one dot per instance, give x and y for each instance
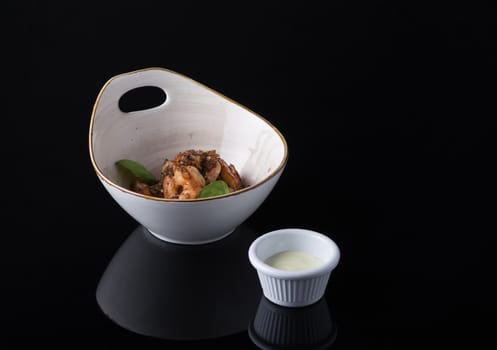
(192, 117)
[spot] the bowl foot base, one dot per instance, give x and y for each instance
(169, 240)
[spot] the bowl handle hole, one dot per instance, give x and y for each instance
(142, 98)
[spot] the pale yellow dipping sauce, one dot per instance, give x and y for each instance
(294, 261)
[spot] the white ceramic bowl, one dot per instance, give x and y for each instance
(192, 117)
(294, 288)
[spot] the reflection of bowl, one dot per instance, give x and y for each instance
(172, 291)
(192, 117)
(294, 288)
(277, 327)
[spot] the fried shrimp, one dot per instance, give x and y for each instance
(187, 182)
(189, 172)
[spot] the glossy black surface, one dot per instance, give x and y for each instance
(388, 109)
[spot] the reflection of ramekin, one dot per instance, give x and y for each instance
(308, 327)
(294, 288)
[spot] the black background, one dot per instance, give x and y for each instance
(387, 108)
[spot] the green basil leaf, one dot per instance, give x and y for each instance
(216, 188)
(137, 170)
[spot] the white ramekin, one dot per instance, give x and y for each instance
(293, 288)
